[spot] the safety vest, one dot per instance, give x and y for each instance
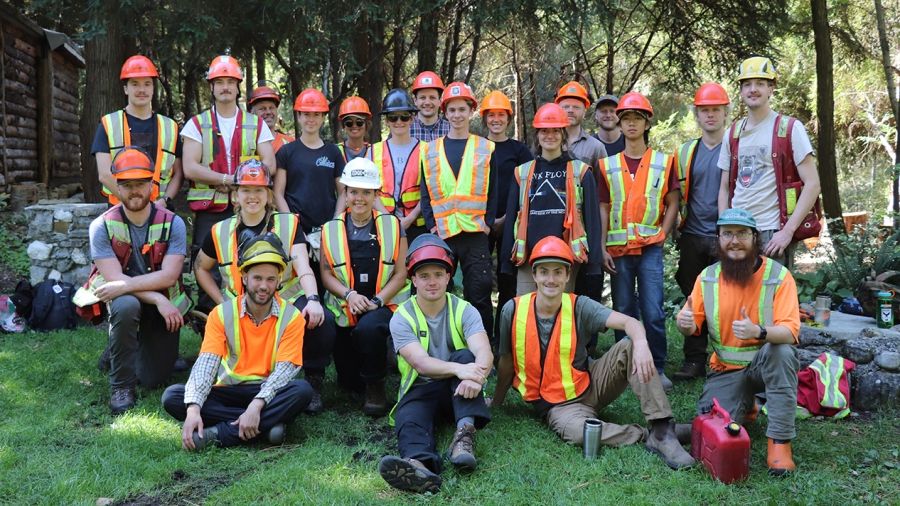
(459, 203)
(684, 161)
(202, 197)
(224, 236)
(636, 206)
(336, 251)
(410, 182)
(118, 135)
(342, 147)
(154, 250)
(230, 314)
(555, 379)
(739, 352)
(413, 315)
(573, 223)
(823, 388)
(280, 140)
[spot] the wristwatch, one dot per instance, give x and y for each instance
(763, 333)
(313, 298)
(377, 301)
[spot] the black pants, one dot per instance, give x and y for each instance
(203, 223)
(225, 404)
(414, 231)
(416, 414)
(506, 287)
(360, 352)
(474, 257)
(141, 349)
(318, 343)
(696, 253)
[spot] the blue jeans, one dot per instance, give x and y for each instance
(645, 304)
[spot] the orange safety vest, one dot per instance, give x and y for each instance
(410, 181)
(342, 147)
(636, 206)
(555, 380)
(459, 203)
(118, 135)
(280, 140)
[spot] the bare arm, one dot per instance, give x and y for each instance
(192, 156)
(266, 154)
(672, 201)
(104, 172)
(435, 368)
(504, 380)
(203, 266)
(608, 264)
(151, 282)
(398, 277)
(300, 259)
(811, 189)
(280, 184)
(176, 180)
(724, 192)
(641, 358)
(341, 204)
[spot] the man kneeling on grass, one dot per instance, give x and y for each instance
(543, 337)
(252, 349)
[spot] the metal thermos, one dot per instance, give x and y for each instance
(823, 310)
(593, 428)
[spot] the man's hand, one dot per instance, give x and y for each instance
(778, 243)
(685, 318)
(170, 313)
(359, 304)
(642, 361)
(248, 422)
(192, 423)
(608, 264)
(745, 328)
(468, 389)
(472, 372)
(110, 290)
(313, 313)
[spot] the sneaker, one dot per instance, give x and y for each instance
(668, 448)
(315, 405)
(121, 400)
(780, 458)
(667, 384)
(210, 437)
(276, 434)
(408, 474)
(689, 371)
(462, 448)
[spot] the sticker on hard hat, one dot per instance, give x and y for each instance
(571, 89)
(253, 172)
(358, 173)
(223, 58)
(426, 80)
(455, 91)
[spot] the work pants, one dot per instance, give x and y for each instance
(141, 349)
(360, 352)
(318, 342)
(645, 303)
(696, 253)
(471, 250)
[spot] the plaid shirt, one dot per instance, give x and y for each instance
(428, 133)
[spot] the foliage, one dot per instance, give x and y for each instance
(13, 250)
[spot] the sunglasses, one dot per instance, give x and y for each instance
(393, 118)
(349, 123)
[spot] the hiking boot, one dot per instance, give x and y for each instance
(181, 364)
(780, 458)
(376, 402)
(408, 474)
(315, 402)
(667, 384)
(210, 437)
(104, 363)
(462, 448)
(689, 371)
(276, 434)
(663, 442)
(683, 433)
(121, 400)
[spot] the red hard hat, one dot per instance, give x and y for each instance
(138, 66)
(311, 100)
(132, 163)
(573, 89)
(456, 90)
(429, 249)
(634, 101)
(252, 172)
(551, 249)
(711, 94)
(550, 116)
(224, 66)
(264, 93)
(354, 105)
(427, 80)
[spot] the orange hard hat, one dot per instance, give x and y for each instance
(354, 105)
(311, 100)
(634, 101)
(551, 249)
(573, 89)
(264, 93)
(550, 116)
(138, 66)
(496, 101)
(711, 94)
(458, 89)
(224, 66)
(132, 163)
(252, 172)
(427, 80)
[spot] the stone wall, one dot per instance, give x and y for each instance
(58, 239)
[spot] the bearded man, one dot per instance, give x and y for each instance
(749, 304)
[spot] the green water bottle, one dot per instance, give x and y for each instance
(885, 310)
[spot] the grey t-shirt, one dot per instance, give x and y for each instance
(703, 196)
(399, 157)
(101, 245)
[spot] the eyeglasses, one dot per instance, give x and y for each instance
(742, 235)
(393, 118)
(349, 123)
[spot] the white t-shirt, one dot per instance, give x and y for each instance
(226, 128)
(755, 189)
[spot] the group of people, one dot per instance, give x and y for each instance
(306, 251)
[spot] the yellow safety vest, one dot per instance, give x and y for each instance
(684, 158)
(118, 135)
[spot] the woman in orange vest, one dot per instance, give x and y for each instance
(355, 118)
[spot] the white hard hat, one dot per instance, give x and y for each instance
(361, 173)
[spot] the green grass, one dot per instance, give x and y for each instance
(59, 445)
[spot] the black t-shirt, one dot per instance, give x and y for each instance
(508, 154)
(310, 190)
(260, 228)
(143, 134)
(615, 147)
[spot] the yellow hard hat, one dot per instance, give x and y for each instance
(757, 67)
(262, 249)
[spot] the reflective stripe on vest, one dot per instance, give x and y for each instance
(229, 312)
(118, 135)
(685, 161)
(773, 274)
(224, 236)
(410, 312)
(249, 128)
(410, 181)
(829, 374)
(459, 202)
(573, 223)
(636, 206)
(555, 380)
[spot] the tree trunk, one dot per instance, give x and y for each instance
(453, 58)
(476, 43)
(428, 41)
(827, 164)
(891, 89)
(369, 51)
(610, 54)
(259, 53)
(399, 52)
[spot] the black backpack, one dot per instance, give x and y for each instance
(52, 308)
(23, 298)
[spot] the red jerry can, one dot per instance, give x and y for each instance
(721, 444)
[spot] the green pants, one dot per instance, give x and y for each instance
(773, 371)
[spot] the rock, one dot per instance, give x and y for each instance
(54, 274)
(89, 209)
(62, 215)
(889, 360)
(39, 250)
(61, 227)
(812, 336)
(859, 351)
(79, 257)
(40, 222)
(807, 356)
(875, 390)
(37, 274)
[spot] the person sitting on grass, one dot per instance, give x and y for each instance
(543, 354)
(252, 350)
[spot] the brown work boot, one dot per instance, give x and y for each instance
(408, 474)
(689, 371)
(315, 405)
(121, 400)
(376, 402)
(780, 458)
(663, 442)
(462, 448)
